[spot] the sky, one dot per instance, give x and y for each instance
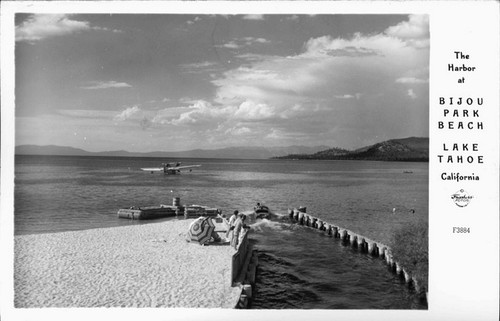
(174, 82)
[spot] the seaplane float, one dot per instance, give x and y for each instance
(170, 169)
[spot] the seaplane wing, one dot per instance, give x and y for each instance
(183, 167)
(153, 169)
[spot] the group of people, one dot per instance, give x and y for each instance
(236, 226)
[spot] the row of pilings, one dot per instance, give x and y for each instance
(359, 242)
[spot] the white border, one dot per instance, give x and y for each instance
(464, 270)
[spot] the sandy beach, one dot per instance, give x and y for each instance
(148, 265)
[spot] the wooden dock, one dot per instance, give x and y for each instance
(162, 211)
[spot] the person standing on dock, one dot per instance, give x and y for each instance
(232, 220)
(238, 234)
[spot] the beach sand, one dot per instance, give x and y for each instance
(148, 265)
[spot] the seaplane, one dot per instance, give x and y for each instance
(170, 169)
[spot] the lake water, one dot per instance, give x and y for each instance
(299, 268)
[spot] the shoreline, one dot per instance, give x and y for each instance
(147, 265)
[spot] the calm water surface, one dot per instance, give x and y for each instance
(299, 268)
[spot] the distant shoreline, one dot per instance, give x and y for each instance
(404, 148)
(208, 158)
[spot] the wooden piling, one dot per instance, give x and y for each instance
(406, 276)
(388, 256)
(416, 285)
(362, 244)
(301, 218)
(343, 235)
(329, 229)
(354, 241)
(398, 268)
(375, 250)
(335, 232)
(383, 250)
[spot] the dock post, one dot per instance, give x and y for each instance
(335, 232)
(362, 245)
(343, 235)
(307, 220)
(372, 248)
(375, 250)
(398, 269)
(354, 241)
(388, 256)
(383, 251)
(406, 276)
(301, 218)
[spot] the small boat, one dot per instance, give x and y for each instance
(261, 211)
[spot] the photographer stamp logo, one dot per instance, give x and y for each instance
(461, 198)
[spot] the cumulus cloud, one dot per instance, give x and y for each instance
(333, 87)
(327, 68)
(201, 112)
(329, 82)
(411, 80)
(238, 43)
(252, 111)
(357, 46)
(92, 85)
(230, 45)
(251, 40)
(237, 131)
(417, 27)
(41, 26)
(415, 31)
(204, 113)
(276, 134)
(128, 113)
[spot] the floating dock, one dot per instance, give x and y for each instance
(162, 211)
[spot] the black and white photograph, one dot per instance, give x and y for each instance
(240, 163)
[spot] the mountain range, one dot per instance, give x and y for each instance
(404, 149)
(229, 152)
